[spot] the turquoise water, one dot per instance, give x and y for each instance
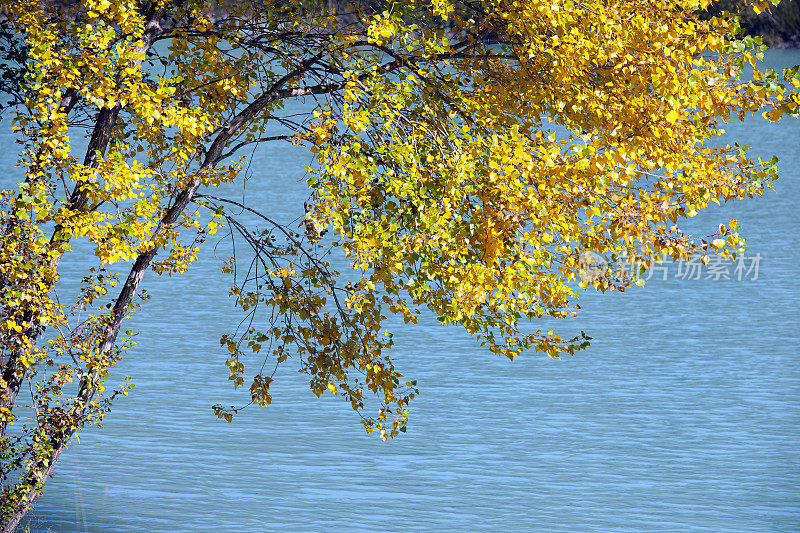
(682, 416)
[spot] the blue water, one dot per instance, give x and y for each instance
(682, 416)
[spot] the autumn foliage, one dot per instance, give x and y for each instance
(467, 155)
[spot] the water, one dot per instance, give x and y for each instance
(683, 415)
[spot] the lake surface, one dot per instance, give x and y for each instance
(682, 416)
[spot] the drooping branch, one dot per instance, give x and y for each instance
(39, 471)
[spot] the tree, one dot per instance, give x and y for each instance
(468, 155)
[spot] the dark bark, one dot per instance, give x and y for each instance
(281, 89)
(13, 371)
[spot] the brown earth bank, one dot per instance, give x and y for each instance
(778, 26)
